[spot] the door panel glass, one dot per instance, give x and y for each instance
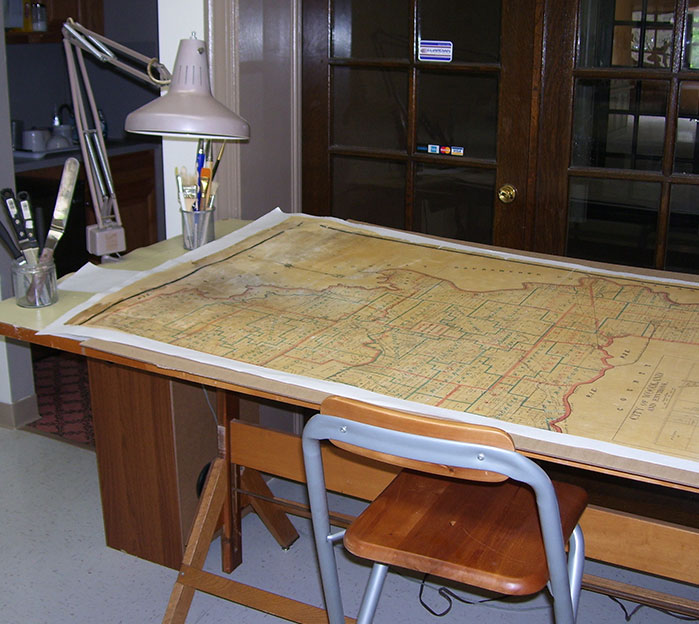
(687, 145)
(626, 33)
(369, 190)
(691, 40)
(613, 220)
(364, 29)
(455, 202)
(458, 111)
(369, 108)
(683, 233)
(619, 123)
(473, 31)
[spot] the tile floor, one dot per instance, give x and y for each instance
(56, 568)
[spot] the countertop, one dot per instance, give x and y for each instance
(53, 159)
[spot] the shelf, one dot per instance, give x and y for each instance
(90, 13)
(33, 37)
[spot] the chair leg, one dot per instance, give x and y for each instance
(372, 593)
(576, 562)
(323, 538)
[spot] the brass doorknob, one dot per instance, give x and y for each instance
(507, 193)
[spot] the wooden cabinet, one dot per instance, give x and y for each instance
(90, 13)
(153, 436)
(134, 175)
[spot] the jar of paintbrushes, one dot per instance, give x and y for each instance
(196, 194)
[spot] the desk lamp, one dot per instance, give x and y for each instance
(188, 109)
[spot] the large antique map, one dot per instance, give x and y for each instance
(560, 347)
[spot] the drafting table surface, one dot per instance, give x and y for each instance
(596, 365)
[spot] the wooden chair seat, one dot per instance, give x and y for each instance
(481, 534)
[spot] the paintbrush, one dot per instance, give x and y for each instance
(218, 160)
(204, 180)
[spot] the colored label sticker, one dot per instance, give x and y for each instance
(433, 149)
(435, 51)
(457, 151)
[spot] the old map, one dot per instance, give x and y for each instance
(606, 356)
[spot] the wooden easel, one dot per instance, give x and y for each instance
(220, 505)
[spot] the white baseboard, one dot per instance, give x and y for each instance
(16, 415)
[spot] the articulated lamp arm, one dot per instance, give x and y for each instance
(102, 48)
(107, 237)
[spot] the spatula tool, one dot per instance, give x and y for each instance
(61, 208)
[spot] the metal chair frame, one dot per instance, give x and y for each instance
(565, 573)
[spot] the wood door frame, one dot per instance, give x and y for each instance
(555, 127)
(315, 102)
(224, 22)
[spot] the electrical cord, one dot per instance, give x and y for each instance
(212, 409)
(449, 596)
(629, 614)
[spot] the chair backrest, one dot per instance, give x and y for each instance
(440, 429)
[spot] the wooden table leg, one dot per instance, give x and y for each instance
(276, 521)
(205, 524)
(228, 409)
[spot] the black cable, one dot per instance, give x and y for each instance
(628, 616)
(449, 596)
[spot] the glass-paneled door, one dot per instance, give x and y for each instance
(631, 163)
(417, 114)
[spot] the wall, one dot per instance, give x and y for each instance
(17, 398)
(269, 85)
(263, 78)
(177, 20)
(32, 65)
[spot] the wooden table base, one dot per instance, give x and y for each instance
(193, 578)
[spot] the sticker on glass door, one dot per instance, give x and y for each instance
(435, 51)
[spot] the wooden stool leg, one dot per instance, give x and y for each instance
(205, 524)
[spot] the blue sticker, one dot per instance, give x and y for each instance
(435, 51)
(433, 149)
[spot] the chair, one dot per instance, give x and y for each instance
(464, 507)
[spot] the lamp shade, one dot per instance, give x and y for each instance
(188, 108)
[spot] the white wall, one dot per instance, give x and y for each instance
(16, 377)
(267, 36)
(269, 85)
(177, 20)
